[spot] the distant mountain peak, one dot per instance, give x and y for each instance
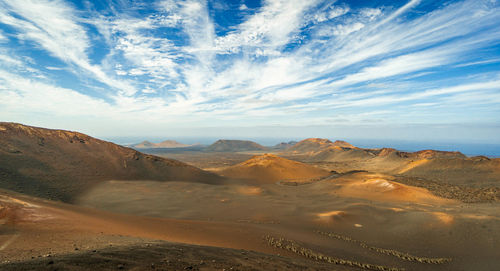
(284, 145)
(344, 144)
(164, 144)
(435, 154)
(227, 145)
(317, 140)
(318, 144)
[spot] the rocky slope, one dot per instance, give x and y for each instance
(59, 164)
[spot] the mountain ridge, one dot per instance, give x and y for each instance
(163, 144)
(229, 145)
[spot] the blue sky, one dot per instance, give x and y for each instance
(426, 70)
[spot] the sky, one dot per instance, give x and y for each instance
(409, 70)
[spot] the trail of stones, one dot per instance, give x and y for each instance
(294, 247)
(391, 252)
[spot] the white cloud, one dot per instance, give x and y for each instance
(200, 29)
(473, 63)
(37, 96)
(329, 14)
(53, 25)
(398, 12)
(398, 38)
(148, 91)
(137, 50)
(354, 59)
(3, 38)
(364, 100)
(337, 11)
(396, 66)
(343, 30)
(268, 85)
(371, 13)
(6, 60)
(54, 68)
(40, 97)
(271, 27)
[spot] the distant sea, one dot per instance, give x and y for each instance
(469, 149)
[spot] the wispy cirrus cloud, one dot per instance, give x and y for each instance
(53, 26)
(270, 28)
(193, 61)
(3, 38)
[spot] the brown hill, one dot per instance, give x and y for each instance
(61, 164)
(164, 144)
(345, 154)
(429, 154)
(271, 168)
(341, 154)
(317, 144)
(143, 145)
(423, 154)
(284, 145)
(225, 145)
(343, 144)
(470, 172)
(385, 152)
(442, 166)
(311, 145)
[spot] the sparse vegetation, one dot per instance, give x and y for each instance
(462, 193)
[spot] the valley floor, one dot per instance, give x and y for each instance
(316, 226)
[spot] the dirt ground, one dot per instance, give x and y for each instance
(357, 217)
(158, 255)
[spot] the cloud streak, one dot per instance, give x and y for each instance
(189, 63)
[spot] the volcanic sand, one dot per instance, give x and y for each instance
(269, 168)
(422, 225)
(351, 218)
